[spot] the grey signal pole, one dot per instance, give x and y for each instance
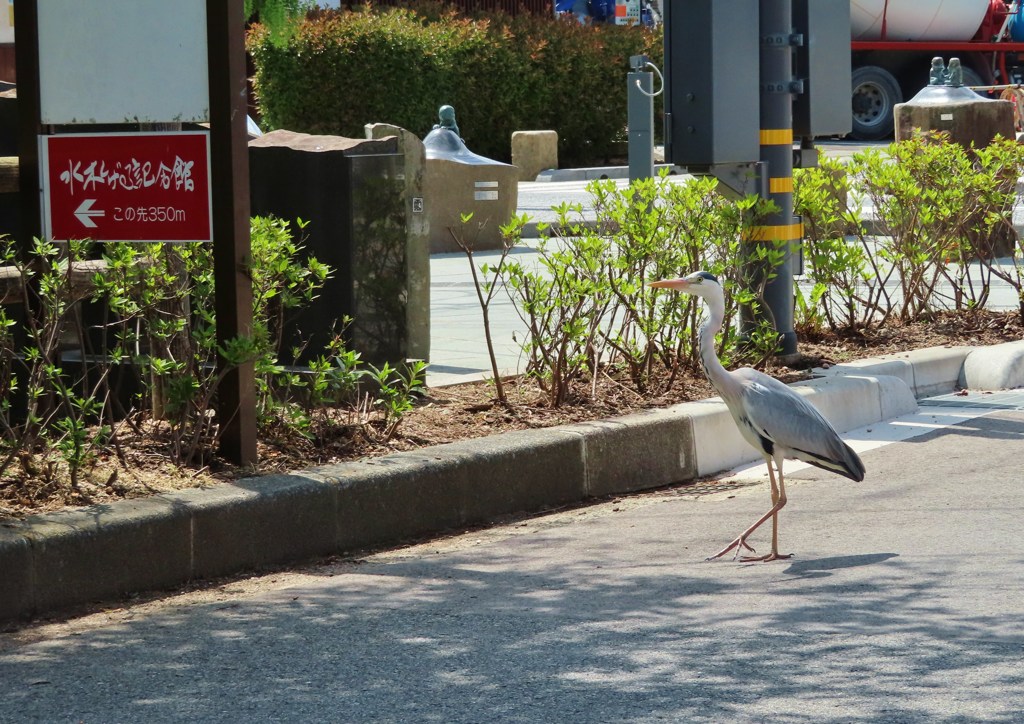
(640, 119)
(776, 55)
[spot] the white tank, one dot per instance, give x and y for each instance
(916, 19)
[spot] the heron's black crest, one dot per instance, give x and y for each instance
(709, 276)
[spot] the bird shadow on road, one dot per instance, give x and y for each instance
(822, 567)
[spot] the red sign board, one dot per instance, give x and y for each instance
(126, 186)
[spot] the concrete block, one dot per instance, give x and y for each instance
(459, 182)
(853, 401)
(15, 572)
(258, 522)
(353, 193)
(929, 371)
(936, 369)
(717, 442)
(637, 452)
(521, 471)
(897, 397)
(417, 239)
(533, 152)
(846, 402)
(102, 552)
(871, 367)
(384, 500)
(394, 498)
(967, 117)
(998, 367)
(488, 191)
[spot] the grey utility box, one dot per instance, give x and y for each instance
(712, 87)
(823, 63)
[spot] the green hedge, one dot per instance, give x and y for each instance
(341, 70)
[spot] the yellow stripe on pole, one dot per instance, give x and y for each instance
(780, 185)
(776, 136)
(777, 232)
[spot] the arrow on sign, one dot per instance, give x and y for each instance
(85, 211)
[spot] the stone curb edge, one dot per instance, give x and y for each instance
(58, 560)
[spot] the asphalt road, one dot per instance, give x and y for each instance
(903, 603)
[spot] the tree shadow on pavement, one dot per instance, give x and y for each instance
(494, 635)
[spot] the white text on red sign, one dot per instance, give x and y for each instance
(129, 175)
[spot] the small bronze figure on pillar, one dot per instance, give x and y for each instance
(446, 116)
(940, 75)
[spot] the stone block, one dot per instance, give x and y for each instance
(259, 522)
(16, 599)
(967, 117)
(417, 247)
(102, 552)
(533, 152)
(849, 402)
(489, 192)
(385, 500)
(717, 442)
(660, 440)
(896, 396)
(352, 193)
(460, 182)
(891, 367)
(929, 371)
(998, 367)
(936, 369)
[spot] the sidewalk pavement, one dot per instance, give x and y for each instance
(59, 560)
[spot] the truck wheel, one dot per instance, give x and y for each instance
(875, 95)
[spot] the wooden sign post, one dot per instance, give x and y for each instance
(72, 74)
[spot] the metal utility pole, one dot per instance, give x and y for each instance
(777, 40)
(801, 50)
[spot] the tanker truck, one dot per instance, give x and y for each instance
(893, 42)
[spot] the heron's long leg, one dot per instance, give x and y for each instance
(778, 500)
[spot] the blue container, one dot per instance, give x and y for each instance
(602, 10)
(1017, 26)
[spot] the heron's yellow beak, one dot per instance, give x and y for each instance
(678, 284)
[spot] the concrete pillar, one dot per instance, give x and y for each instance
(459, 182)
(533, 152)
(969, 119)
(417, 250)
(963, 114)
(351, 193)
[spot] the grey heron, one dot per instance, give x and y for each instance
(771, 416)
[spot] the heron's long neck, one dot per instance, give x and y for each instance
(708, 356)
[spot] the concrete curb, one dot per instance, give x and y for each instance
(58, 560)
(593, 173)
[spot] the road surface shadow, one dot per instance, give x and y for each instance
(819, 568)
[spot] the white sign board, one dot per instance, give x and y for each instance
(6, 21)
(123, 61)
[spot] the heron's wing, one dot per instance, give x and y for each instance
(786, 418)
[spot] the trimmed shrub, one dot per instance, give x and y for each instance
(340, 70)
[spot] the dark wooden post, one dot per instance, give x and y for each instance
(229, 171)
(26, 53)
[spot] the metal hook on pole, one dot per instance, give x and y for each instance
(661, 79)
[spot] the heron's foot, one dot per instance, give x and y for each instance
(773, 556)
(738, 544)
